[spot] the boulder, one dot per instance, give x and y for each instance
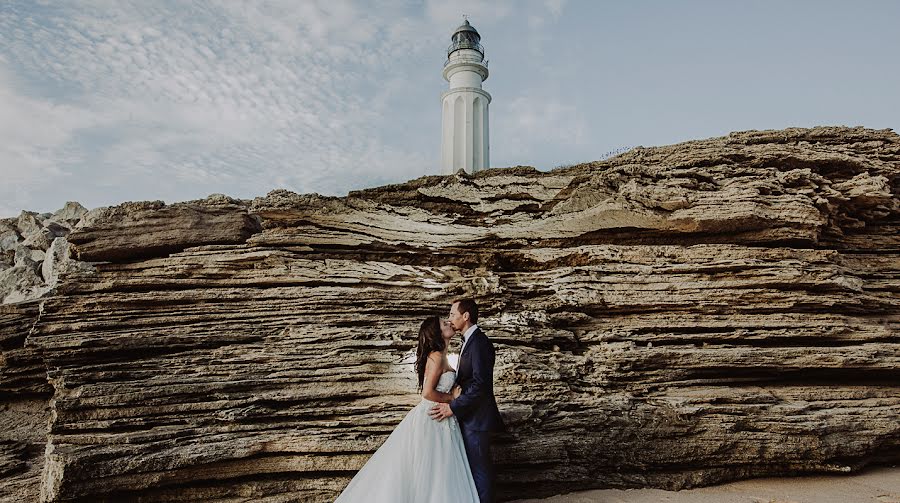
(8, 257)
(58, 263)
(9, 234)
(8, 239)
(56, 229)
(71, 213)
(39, 240)
(21, 283)
(27, 256)
(28, 224)
(42, 239)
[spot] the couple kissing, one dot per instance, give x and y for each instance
(441, 451)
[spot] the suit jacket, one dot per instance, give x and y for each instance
(476, 408)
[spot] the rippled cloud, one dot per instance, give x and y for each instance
(118, 100)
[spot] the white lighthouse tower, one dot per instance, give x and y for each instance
(464, 140)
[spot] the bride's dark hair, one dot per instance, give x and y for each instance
(430, 339)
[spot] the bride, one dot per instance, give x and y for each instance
(423, 460)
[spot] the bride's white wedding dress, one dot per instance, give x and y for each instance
(422, 461)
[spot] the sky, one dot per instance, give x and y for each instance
(103, 102)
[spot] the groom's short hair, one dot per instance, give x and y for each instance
(468, 306)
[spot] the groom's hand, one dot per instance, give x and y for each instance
(440, 412)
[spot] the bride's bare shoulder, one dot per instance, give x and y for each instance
(440, 360)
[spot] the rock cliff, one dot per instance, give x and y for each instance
(670, 317)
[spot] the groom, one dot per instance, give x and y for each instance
(476, 408)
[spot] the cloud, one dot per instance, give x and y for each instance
(112, 100)
(531, 123)
(203, 95)
(444, 14)
(35, 150)
(555, 7)
(109, 100)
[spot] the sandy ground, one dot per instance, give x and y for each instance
(879, 485)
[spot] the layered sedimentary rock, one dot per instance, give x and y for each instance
(671, 317)
(33, 253)
(24, 403)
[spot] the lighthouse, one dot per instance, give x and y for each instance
(464, 117)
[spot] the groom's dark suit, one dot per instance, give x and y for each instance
(476, 409)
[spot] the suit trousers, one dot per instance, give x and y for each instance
(478, 450)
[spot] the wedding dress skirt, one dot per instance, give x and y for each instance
(422, 461)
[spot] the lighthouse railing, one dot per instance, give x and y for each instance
(465, 44)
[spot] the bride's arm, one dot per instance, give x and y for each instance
(433, 371)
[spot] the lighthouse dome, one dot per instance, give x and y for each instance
(465, 37)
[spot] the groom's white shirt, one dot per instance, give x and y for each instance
(466, 336)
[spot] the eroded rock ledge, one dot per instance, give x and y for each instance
(671, 317)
